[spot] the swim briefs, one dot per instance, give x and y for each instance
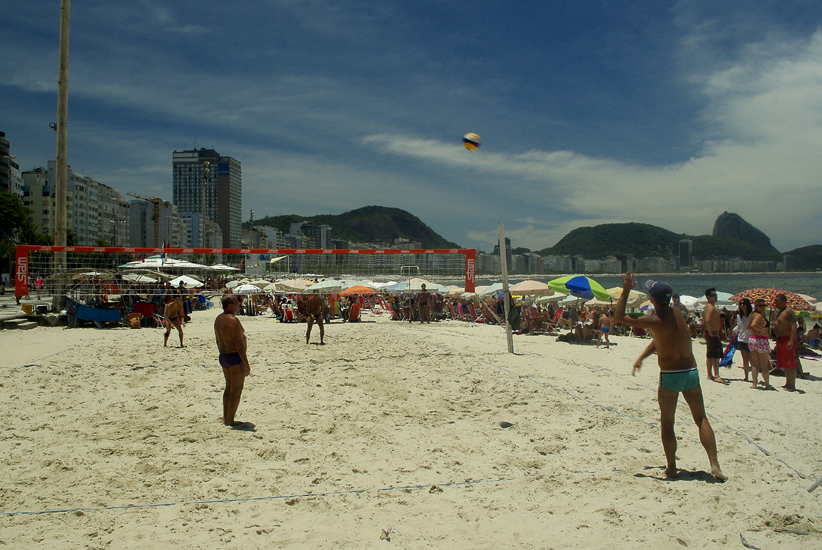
(785, 358)
(228, 360)
(605, 330)
(759, 344)
(679, 380)
(714, 347)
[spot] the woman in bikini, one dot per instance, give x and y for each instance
(760, 349)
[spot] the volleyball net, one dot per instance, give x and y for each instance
(59, 269)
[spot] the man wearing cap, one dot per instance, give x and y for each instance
(677, 366)
(713, 343)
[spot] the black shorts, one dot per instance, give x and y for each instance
(742, 346)
(714, 347)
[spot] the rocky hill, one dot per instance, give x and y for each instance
(731, 226)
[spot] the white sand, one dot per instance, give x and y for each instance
(370, 424)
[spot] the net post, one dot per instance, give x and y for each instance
(21, 271)
(470, 269)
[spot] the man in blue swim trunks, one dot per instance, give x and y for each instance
(231, 342)
(678, 369)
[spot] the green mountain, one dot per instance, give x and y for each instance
(643, 240)
(808, 258)
(372, 224)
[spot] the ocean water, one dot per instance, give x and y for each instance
(694, 284)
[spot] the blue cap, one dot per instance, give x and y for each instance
(660, 291)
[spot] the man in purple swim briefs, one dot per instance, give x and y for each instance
(677, 366)
(231, 342)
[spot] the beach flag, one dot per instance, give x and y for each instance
(728, 358)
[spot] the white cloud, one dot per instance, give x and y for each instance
(766, 168)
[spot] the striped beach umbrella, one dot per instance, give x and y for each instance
(795, 302)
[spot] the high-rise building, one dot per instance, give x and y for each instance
(5, 159)
(223, 187)
(686, 254)
(94, 211)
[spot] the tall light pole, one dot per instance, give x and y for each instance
(60, 224)
(206, 166)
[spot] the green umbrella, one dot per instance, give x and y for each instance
(580, 286)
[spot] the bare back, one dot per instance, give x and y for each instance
(673, 341)
(230, 335)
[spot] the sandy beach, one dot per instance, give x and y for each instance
(390, 431)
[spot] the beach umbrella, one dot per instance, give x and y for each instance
(261, 283)
(293, 285)
(688, 301)
(635, 297)
(480, 289)
(329, 286)
(233, 284)
(222, 267)
(531, 288)
(809, 299)
(795, 302)
(356, 290)
(579, 285)
(722, 299)
(247, 289)
(397, 287)
(185, 279)
(454, 290)
(555, 297)
(139, 278)
(596, 302)
(495, 288)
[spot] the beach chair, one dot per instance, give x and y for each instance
(490, 315)
(288, 315)
(354, 315)
(451, 310)
(159, 321)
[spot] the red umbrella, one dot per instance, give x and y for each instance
(795, 302)
(357, 289)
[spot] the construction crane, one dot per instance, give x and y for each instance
(156, 217)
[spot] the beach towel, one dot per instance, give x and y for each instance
(728, 357)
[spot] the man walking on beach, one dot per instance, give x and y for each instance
(232, 344)
(314, 312)
(424, 305)
(785, 330)
(174, 315)
(713, 324)
(677, 366)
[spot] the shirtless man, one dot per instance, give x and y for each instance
(713, 324)
(174, 315)
(424, 305)
(785, 330)
(231, 342)
(604, 328)
(677, 366)
(314, 312)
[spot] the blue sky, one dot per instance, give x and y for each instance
(666, 113)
